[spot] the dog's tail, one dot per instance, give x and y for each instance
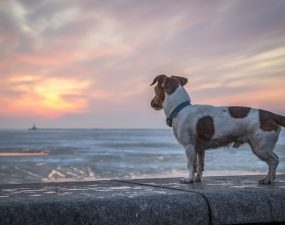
(279, 119)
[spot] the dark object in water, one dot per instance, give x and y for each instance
(33, 127)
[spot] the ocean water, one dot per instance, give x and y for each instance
(49, 155)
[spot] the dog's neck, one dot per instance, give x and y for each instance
(176, 98)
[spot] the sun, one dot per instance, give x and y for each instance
(60, 94)
(52, 97)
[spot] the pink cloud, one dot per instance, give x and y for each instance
(101, 56)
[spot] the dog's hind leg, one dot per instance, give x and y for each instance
(263, 147)
(200, 165)
(272, 162)
(274, 172)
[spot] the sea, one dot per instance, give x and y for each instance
(61, 155)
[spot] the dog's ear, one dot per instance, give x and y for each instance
(181, 80)
(160, 78)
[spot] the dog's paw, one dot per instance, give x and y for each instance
(186, 180)
(265, 181)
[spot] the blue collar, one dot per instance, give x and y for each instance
(175, 112)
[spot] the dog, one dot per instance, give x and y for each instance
(201, 127)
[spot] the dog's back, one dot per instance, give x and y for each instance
(201, 127)
(219, 126)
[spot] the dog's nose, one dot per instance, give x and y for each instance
(155, 105)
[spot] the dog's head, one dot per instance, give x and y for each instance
(165, 85)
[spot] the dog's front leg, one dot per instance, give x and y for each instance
(191, 157)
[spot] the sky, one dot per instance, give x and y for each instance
(89, 63)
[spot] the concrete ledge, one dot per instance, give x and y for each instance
(235, 199)
(218, 200)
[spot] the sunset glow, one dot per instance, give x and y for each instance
(89, 63)
(53, 92)
(48, 98)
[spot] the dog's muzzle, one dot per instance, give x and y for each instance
(155, 105)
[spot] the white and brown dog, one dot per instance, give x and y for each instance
(201, 127)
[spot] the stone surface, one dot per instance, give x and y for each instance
(102, 202)
(217, 200)
(235, 199)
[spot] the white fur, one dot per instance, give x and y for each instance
(247, 129)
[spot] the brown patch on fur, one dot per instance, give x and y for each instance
(159, 79)
(165, 85)
(205, 131)
(279, 119)
(158, 99)
(267, 122)
(169, 85)
(238, 111)
(181, 80)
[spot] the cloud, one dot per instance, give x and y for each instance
(98, 57)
